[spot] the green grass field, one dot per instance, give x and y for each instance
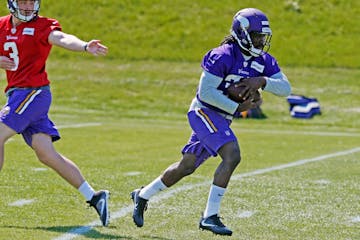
(128, 143)
(122, 119)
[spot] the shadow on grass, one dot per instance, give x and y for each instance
(85, 231)
(88, 231)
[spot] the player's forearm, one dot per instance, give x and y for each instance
(278, 84)
(209, 93)
(67, 41)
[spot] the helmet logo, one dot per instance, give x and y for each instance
(244, 22)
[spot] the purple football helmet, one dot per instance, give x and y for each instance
(13, 6)
(252, 31)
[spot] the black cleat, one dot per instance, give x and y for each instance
(100, 202)
(214, 225)
(140, 205)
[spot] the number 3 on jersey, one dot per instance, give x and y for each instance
(14, 54)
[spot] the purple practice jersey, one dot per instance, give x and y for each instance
(210, 124)
(228, 63)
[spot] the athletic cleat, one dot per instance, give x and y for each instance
(140, 205)
(214, 225)
(100, 202)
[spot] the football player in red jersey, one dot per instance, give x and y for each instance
(25, 43)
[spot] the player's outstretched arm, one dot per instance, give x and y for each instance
(73, 43)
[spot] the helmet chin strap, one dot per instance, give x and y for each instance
(255, 51)
(23, 18)
(252, 50)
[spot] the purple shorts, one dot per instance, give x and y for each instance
(210, 132)
(26, 112)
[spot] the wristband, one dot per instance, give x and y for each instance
(85, 47)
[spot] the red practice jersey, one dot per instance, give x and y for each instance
(27, 45)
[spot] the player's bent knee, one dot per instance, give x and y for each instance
(237, 158)
(49, 159)
(237, 161)
(187, 169)
(187, 165)
(233, 160)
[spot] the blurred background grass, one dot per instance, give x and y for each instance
(317, 33)
(155, 49)
(140, 94)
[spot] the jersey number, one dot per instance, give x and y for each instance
(14, 53)
(230, 79)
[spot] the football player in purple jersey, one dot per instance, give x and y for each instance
(242, 57)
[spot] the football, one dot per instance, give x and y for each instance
(236, 92)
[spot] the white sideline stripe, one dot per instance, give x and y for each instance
(313, 133)
(39, 169)
(297, 163)
(322, 182)
(21, 202)
(79, 125)
(246, 214)
(132, 173)
(76, 232)
(355, 219)
(76, 125)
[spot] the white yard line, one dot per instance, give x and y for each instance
(21, 202)
(245, 214)
(238, 128)
(73, 233)
(312, 133)
(355, 219)
(79, 125)
(75, 125)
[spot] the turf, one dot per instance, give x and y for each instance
(133, 105)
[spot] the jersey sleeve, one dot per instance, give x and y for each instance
(272, 66)
(47, 26)
(217, 61)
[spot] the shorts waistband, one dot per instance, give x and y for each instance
(8, 92)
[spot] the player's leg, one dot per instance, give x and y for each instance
(223, 142)
(193, 155)
(10, 122)
(5, 134)
(26, 112)
(44, 149)
(46, 153)
(230, 154)
(175, 172)
(170, 176)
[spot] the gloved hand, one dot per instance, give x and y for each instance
(253, 82)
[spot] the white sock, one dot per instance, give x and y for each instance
(213, 204)
(86, 190)
(153, 188)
